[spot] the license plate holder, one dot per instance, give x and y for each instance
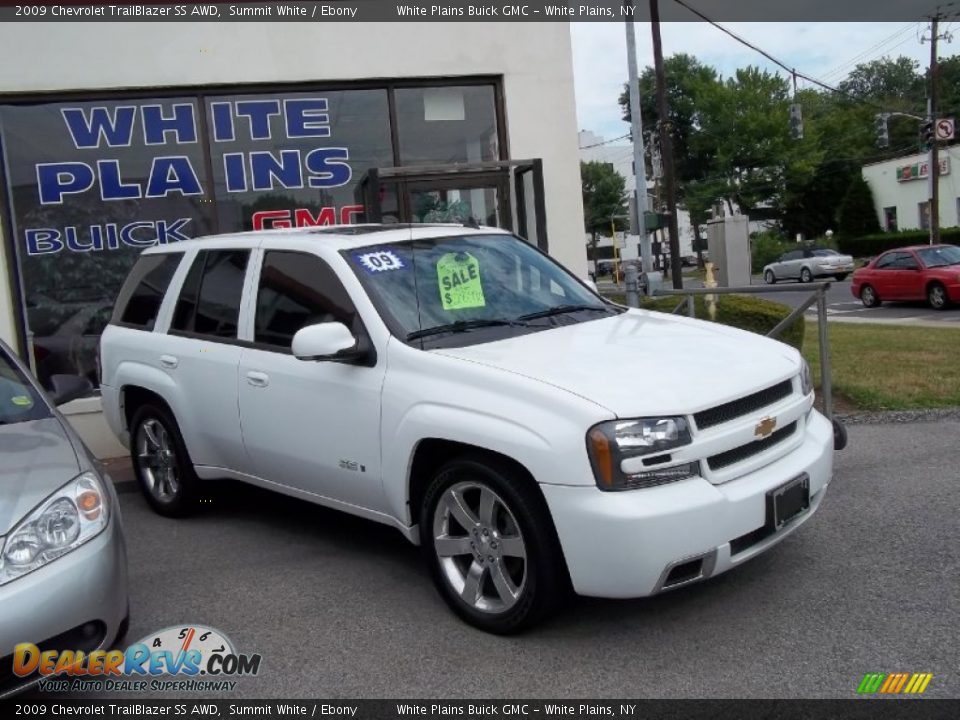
(788, 501)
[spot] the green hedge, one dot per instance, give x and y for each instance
(739, 311)
(871, 245)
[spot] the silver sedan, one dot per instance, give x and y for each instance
(808, 264)
(63, 560)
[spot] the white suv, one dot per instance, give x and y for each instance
(463, 387)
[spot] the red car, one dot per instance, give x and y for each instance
(923, 272)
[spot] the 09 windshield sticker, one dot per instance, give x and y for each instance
(458, 277)
(379, 261)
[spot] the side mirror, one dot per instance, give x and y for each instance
(65, 388)
(325, 341)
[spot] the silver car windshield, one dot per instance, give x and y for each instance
(20, 401)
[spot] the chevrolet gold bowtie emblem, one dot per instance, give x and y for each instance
(765, 428)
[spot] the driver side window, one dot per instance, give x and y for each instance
(296, 290)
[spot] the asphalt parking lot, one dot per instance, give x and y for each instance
(341, 607)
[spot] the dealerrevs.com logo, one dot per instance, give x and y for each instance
(178, 658)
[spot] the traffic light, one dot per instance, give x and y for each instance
(883, 131)
(926, 133)
(796, 121)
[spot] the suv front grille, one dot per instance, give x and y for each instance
(739, 454)
(744, 406)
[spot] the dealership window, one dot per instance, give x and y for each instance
(456, 124)
(91, 182)
(890, 219)
(288, 159)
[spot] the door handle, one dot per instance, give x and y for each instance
(258, 379)
(169, 361)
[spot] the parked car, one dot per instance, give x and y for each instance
(63, 563)
(924, 272)
(464, 388)
(808, 264)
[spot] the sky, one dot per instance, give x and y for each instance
(825, 51)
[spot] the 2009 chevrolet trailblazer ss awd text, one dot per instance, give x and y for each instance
(463, 387)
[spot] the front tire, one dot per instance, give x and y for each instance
(490, 545)
(161, 462)
(806, 276)
(869, 297)
(937, 297)
(770, 278)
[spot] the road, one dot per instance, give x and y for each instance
(341, 607)
(842, 306)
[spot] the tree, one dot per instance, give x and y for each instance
(857, 215)
(604, 201)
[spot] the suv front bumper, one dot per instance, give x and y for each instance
(626, 544)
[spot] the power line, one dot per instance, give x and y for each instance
(775, 61)
(605, 142)
(877, 49)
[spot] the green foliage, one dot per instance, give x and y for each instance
(740, 311)
(857, 215)
(732, 142)
(604, 197)
(872, 245)
(766, 248)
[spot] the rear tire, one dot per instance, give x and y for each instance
(937, 296)
(489, 542)
(769, 278)
(869, 297)
(161, 462)
(806, 276)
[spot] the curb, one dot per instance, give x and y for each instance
(895, 417)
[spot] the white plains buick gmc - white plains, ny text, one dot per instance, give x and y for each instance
(460, 385)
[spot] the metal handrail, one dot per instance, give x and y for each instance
(818, 296)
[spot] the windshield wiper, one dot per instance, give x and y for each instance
(460, 326)
(563, 310)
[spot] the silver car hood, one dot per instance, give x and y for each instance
(36, 458)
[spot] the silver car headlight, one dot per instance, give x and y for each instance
(609, 444)
(73, 515)
(806, 378)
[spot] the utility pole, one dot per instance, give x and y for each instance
(666, 147)
(934, 148)
(636, 130)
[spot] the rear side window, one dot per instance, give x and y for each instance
(139, 300)
(296, 290)
(209, 302)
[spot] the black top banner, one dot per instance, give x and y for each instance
(471, 10)
(914, 709)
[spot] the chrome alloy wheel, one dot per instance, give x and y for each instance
(937, 297)
(480, 547)
(158, 460)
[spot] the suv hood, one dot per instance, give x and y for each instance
(38, 458)
(643, 363)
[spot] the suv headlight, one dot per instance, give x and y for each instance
(74, 514)
(610, 443)
(806, 378)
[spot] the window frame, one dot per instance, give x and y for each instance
(251, 329)
(244, 287)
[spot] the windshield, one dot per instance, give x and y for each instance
(940, 256)
(19, 399)
(472, 288)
